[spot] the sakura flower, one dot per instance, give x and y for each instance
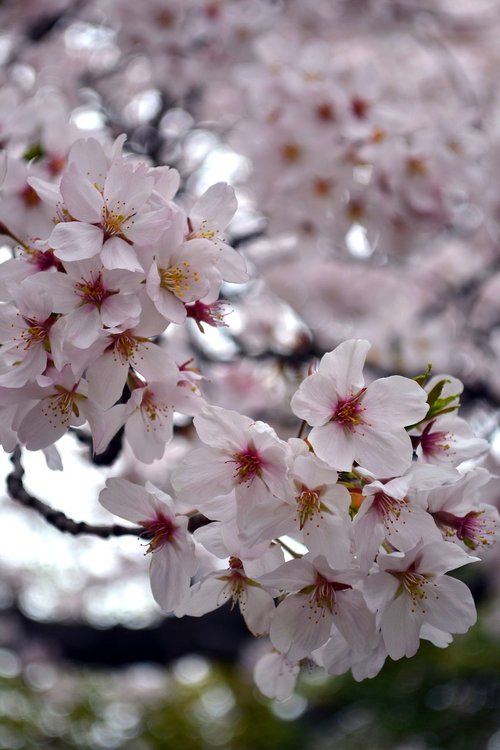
(63, 404)
(108, 210)
(208, 217)
(92, 299)
(448, 439)
(25, 335)
(22, 209)
(172, 550)
(410, 590)
(461, 516)
(390, 512)
(30, 259)
(353, 422)
(324, 597)
(321, 508)
(182, 272)
(315, 510)
(275, 675)
(122, 349)
(147, 416)
(243, 455)
(236, 583)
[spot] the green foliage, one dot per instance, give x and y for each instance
(34, 152)
(438, 404)
(440, 700)
(423, 377)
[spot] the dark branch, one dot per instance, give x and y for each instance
(61, 521)
(219, 635)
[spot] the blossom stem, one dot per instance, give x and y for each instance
(301, 429)
(287, 548)
(5, 230)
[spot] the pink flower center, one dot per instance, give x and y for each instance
(161, 530)
(93, 292)
(124, 345)
(323, 594)
(434, 443)
(43, 259)
(476, 529)
(389, 507)
(348, 411)
(212, 314)
(37, 332)
(248, 464)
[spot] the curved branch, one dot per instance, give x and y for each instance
(57, 518)
(62, 522)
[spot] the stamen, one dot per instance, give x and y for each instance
(308, 504)
(476, 529)
(161, 529)
(348, 411)
(248, 463)
(389, 507)
(177, 279)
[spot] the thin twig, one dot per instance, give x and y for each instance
(287, 548)
(301, 428)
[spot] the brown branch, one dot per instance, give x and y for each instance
(62, 522)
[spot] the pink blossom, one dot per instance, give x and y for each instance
(390, 511)
(410, 590)
(353, 422)
(237, 582)
(324, 597)
(173, 560)
(106, 202)
(244, 455)
(275, 675)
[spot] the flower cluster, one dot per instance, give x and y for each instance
(367, 186)
(85, 302)
(372, 510)
(332, 142)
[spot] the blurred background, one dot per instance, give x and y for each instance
(362, 137)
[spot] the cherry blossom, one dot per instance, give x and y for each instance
(410, 589)
(460, 514)
(236, 582)
(324, 597)
(244, 455)
(275, 675)
(173, 560)
(182, 273)
(208, 217)
(360, 197)
(26, 335)
(390, 511)
(57, 406)
(354, 422)
(106, 206)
